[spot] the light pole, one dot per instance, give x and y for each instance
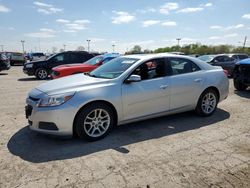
(64, 47)
(113, 46)
(22, 41)
(88, 40)
(2, 47)
(178, 43)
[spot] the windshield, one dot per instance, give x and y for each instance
(94, 60)
(206, 58)
(114, 68)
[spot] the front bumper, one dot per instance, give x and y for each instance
(4, 66)
(50, 120)
(28, 71)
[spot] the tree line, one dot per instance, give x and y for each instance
(197, 49)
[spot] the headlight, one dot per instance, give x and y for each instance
(29, 65)
(55, 100)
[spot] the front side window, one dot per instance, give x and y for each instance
(59, 58)
(182, 66)
(94, 60)
(154, 68)
(114, 68)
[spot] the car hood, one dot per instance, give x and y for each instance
(71, 83)
(31, 62)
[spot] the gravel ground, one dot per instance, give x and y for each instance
(174, 151)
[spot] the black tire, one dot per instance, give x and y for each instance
(199, 109)
(11, 63)
(41, 76)
(81, 128)
(239, 85)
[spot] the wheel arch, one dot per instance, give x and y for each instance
(213, 88)
(93, 102)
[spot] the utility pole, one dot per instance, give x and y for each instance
(22, 41)
(244, 43)
(2, 47)
(178, 41)
(113, 46)
(64, 47)
(88, 40)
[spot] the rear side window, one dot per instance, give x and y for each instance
(182, 66)
(74, 58)
(242, 57)
(85, 57)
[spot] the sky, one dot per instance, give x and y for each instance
(44, 24)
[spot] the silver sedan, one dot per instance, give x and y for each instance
(127, 89)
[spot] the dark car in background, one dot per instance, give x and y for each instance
(42, 69)
(16, 58)
(4, 62)
(222, 60)
(242, 74)
(238, 56)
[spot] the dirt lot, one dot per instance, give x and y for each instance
(175, 151)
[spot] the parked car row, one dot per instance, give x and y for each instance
(126, 89)
(226, 61)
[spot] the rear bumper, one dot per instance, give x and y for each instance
(4, 66)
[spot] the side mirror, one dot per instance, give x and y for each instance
(133, 78)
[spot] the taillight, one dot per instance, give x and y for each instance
(226, 72)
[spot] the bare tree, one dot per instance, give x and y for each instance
(54, 49)
(80, 48)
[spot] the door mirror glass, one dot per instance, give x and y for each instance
(134, 78)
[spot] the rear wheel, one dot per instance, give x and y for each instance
(207, 103)
(94, 122)
(41, 74)
(239, 85)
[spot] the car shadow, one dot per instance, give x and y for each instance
(37, 148)
(245, 94)
(3, 73)
(28, 79)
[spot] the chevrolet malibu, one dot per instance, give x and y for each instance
(127, 89)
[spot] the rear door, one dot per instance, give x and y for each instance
(148, 96)
(186, 83)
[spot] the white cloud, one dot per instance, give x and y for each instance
(122, 17)
(190, 10)
(169, 23)
(146, 10)
(148, 23)
(97, 39)
(208, 5)
(62, 21)
(73, 26)
(4, 9)
(81, 21)
(231, 35)
(218, 27)
(246, 16)
(40, 4)
(164, 9)
(214, 38)
(46, 8)
(43, 33)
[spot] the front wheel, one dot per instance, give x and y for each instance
(94, 122)
(41, 74)
(239, 85)
(207, 103)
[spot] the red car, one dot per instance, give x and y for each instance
(88, 66)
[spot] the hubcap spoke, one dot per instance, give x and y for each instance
(208, 103)
(96, 122)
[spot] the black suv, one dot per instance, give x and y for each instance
(242, 74)
(4, 62)
(41, 69)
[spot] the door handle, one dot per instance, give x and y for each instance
(163, 86)
(198, 80)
